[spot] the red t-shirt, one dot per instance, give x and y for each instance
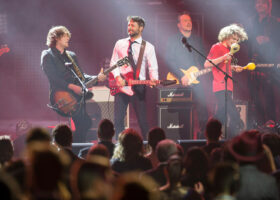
(216, 51)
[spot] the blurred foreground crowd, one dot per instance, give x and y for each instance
(45, 167)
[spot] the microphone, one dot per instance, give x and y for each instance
(187, 45)
(67, 64)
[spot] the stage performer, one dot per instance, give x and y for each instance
(178, 57)
(62, 69)
(264, 30)
(220, 55)
(139, 65)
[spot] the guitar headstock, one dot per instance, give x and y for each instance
(123, 61)
(4, 49)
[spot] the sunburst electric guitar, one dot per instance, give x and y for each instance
(67, 103)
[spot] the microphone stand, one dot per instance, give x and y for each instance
(190, 47)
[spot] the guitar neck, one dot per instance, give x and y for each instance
(268, 65)
(204, 71)
(139, 82)
(106, 72)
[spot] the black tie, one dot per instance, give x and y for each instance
(130, 57)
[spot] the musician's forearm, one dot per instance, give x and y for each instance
(216, 61)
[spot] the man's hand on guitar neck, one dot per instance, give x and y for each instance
(119, 81)
(153, 83)
(101, 76)
(75, 88)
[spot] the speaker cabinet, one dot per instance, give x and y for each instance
(176, 121)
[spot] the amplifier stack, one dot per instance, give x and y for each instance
(174, 109)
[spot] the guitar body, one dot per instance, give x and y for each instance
(114, 89)
(64, 103)
(67, 104)
(190, 73)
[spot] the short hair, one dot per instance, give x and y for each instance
(47, 170)
(233, 29)
(196, 162)
(165, 149)
(6, 149)
(38, 134)
(155, 135)
(106, 129)
(139, 20)
(55, 33)
(213, 129)
(183, 13)
(269, 2)
(85, 177)
(63, 135)
(224, 177)
(100, 150)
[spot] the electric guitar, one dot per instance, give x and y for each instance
(4, 49)
(67, 103)
(129, 79)
(192, 73)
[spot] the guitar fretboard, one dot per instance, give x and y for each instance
(268, 65)
(204, 71)
(121, 62)
(141, 82)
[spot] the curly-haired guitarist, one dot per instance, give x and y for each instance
(66, 78)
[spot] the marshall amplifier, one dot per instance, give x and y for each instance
(176, 121)
(174, 95)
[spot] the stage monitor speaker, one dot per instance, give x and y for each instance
(176, 121)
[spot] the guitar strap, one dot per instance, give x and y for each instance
(140, 59)
(75, 67)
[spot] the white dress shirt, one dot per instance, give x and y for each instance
(149, 58)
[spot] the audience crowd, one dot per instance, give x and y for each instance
(246, 167)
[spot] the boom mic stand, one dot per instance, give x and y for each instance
(190, 48)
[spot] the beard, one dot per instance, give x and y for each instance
(134, 34)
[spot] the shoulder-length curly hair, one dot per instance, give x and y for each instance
(233, 29)
(55, 33)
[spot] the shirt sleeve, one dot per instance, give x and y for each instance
(114, 60)
(152, 63)
(214, 52)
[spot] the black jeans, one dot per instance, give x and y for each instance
(232, 112)
(82, 123)
(138, 101)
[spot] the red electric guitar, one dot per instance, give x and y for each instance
(128, 77)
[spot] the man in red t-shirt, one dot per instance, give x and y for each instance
(220, 55)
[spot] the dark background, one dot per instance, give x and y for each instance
(95, 26)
